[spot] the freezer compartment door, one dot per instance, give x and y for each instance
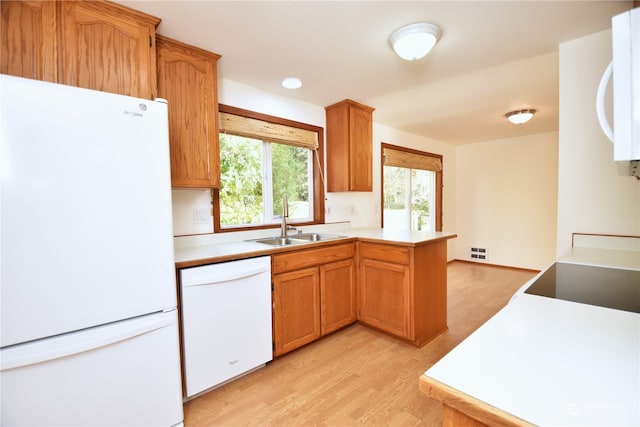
(125, 373)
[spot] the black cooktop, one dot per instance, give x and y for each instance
(587, 284)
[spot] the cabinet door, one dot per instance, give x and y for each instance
(385, 296)
(337, 295)
(360, 167)
(28, 39)
(107, 47)
(349, 146)
(187, 79)
(296, 309)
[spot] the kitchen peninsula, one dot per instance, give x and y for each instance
(564, 351)
(401, 275)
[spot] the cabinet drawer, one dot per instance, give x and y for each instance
(310, 257)
(388, 253)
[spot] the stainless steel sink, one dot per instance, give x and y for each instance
(297, 239)
(316, 237)
(278, 241)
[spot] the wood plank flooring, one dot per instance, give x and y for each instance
(357, 376)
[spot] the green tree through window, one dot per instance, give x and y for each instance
(241, 196)
(255, 175)
(411, 189)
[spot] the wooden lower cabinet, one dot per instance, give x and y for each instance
(313, 294)
(296, 319)
(337, 295)
(454, 418)
(403, 289)
(462, 410)
(384, 296)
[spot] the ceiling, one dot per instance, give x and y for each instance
(493, 56)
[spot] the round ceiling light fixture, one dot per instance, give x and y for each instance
(414, 41)
(292, 83)
(519, 117)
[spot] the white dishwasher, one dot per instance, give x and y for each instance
(226, 321)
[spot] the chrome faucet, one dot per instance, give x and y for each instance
(285, 214)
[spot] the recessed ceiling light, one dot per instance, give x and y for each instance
(520, 116)
(292, 83)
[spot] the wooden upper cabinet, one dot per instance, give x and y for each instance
(349, 147)
(187, 79)
(107, 47)
(28, 39)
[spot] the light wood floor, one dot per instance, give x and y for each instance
(358, 376)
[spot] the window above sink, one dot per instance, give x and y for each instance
(262, 158)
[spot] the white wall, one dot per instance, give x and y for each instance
(507, 195)
(592, 197)
(506, 200)
(362, 209)
(187, 202)
(393, 136)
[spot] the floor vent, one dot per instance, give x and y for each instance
(479, 254)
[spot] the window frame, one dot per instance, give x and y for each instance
(438, 185)
(318, 165)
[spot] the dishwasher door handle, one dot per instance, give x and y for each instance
(223, 277)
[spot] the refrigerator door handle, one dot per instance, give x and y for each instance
(602, 89)
(48, 349)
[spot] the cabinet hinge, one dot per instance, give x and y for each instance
(273, 288)
(273, 344)
(150, 41)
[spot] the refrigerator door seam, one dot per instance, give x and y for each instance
(69, 344)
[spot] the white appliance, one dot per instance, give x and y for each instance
(226, 321)
(89, 332)
(625, 66)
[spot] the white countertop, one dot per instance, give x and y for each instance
(398, 236)
(188, 251)
(553, 362)
(603, 257)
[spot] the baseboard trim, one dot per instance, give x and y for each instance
(488, 264)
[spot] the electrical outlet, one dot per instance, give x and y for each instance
(201, 216)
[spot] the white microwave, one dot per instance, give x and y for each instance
(625, 66)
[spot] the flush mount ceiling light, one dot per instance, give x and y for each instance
(520, 116)
(292, 83)
(414, 41)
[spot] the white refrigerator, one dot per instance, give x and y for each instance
(88, 320)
